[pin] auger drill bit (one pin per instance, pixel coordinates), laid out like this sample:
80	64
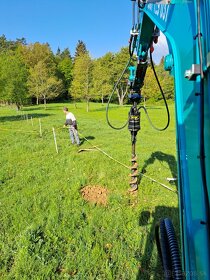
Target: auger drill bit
134	127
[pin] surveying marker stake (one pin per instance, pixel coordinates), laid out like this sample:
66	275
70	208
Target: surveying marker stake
40	128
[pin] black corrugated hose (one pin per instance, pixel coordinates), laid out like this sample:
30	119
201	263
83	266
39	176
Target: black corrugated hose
168	250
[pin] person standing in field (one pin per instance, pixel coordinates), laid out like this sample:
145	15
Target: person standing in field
72	124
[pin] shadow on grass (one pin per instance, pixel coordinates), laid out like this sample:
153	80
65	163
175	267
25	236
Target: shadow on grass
28	109
162	157
22	117
40	107
144	254
111	107
83	139
101	109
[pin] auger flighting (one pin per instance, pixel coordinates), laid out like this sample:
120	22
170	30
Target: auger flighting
134	127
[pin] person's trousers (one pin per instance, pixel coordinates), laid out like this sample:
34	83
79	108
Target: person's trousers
74	135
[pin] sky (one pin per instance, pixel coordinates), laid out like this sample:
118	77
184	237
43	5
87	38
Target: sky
103	25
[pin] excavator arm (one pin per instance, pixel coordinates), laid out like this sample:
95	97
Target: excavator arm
186	25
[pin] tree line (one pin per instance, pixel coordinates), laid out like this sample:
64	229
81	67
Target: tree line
32	73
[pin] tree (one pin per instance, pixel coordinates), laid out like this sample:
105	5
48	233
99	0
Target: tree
3	42
42	81
13	79
42	84
119	63
64	69
102	76
65	54
21	41
151	90
9	45
58	52
82	76
166	81
34	53
80	49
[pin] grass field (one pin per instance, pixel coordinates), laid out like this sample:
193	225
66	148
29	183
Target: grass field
47	229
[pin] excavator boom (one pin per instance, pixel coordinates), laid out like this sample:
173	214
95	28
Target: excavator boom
186	25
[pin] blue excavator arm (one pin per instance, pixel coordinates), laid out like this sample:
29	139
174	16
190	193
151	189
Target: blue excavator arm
186	25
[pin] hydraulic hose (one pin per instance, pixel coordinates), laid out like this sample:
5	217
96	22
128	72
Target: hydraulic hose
166	105
110	97
131	45
168	250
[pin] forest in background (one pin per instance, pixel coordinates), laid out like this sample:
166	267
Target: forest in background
33	74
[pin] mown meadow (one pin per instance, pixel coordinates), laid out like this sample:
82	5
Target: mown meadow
47	229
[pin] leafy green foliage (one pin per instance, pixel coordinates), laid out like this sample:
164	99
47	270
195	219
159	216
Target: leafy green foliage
80	49
13	78
82	72
9	45
65	67
79	78
119	63
42	84
34	53
102	76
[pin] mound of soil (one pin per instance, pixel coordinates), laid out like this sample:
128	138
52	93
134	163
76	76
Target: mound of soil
95	194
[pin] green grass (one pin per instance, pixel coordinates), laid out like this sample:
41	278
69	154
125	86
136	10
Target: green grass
47	230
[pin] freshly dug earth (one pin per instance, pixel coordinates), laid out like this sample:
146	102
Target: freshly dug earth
95	194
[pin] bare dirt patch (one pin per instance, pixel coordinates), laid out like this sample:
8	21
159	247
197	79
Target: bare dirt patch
95	194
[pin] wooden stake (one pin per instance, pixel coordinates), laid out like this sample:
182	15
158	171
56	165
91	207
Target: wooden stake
32	123
40	128
56	147
144	102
